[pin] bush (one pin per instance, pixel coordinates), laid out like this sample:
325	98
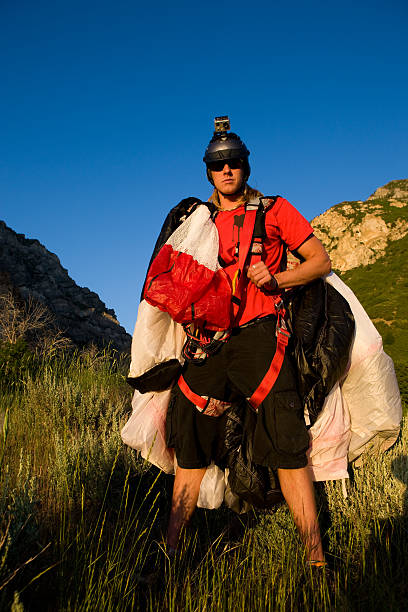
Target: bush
16	363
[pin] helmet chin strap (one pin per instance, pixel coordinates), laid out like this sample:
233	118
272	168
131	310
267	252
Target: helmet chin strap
238	191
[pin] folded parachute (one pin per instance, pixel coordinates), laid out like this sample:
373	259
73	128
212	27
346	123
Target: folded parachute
185	278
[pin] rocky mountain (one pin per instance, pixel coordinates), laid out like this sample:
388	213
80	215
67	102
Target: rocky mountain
358	233
368	245
29	269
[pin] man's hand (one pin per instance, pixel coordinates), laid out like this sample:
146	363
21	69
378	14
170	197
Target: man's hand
259	274
316	264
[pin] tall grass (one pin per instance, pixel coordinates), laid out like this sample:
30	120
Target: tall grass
82	517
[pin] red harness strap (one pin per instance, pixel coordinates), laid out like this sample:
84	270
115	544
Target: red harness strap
197	400
266	384
209	405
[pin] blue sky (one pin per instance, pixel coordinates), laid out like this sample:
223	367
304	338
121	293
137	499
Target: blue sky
106	109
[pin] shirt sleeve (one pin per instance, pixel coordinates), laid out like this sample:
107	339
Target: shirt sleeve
291	226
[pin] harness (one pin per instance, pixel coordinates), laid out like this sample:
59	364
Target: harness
198	345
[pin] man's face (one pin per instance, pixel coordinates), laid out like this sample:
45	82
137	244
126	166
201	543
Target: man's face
228	176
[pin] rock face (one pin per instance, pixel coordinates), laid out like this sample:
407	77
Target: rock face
27	267
357	233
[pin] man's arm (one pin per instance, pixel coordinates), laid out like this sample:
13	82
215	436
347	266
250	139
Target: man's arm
316	264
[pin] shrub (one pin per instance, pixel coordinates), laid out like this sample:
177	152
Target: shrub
16	363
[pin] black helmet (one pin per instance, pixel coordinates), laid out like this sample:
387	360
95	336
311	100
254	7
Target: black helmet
226	145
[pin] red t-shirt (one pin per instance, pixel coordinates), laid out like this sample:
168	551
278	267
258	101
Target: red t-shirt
285	227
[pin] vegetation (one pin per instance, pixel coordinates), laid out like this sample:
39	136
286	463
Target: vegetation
83	517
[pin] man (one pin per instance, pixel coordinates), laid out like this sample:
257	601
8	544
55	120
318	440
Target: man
236	370
252	365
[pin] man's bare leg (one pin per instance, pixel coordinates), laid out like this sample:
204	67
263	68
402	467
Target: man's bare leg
185	495
297	489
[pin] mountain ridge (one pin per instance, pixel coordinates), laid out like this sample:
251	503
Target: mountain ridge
30	270
358	232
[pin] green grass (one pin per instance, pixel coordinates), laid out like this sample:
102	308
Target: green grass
83	517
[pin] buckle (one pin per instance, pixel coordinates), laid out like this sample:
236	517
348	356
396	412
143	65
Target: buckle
282	335
282	332
280	306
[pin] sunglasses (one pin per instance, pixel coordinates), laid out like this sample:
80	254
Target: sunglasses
218	166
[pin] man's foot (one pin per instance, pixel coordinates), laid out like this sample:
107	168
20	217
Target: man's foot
321	572
321	564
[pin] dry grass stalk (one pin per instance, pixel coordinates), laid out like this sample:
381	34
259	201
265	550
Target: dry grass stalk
17	319
30	320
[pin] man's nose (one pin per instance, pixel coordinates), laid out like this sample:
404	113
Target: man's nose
226	169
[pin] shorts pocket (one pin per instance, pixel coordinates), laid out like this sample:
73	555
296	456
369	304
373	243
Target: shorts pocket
291	435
